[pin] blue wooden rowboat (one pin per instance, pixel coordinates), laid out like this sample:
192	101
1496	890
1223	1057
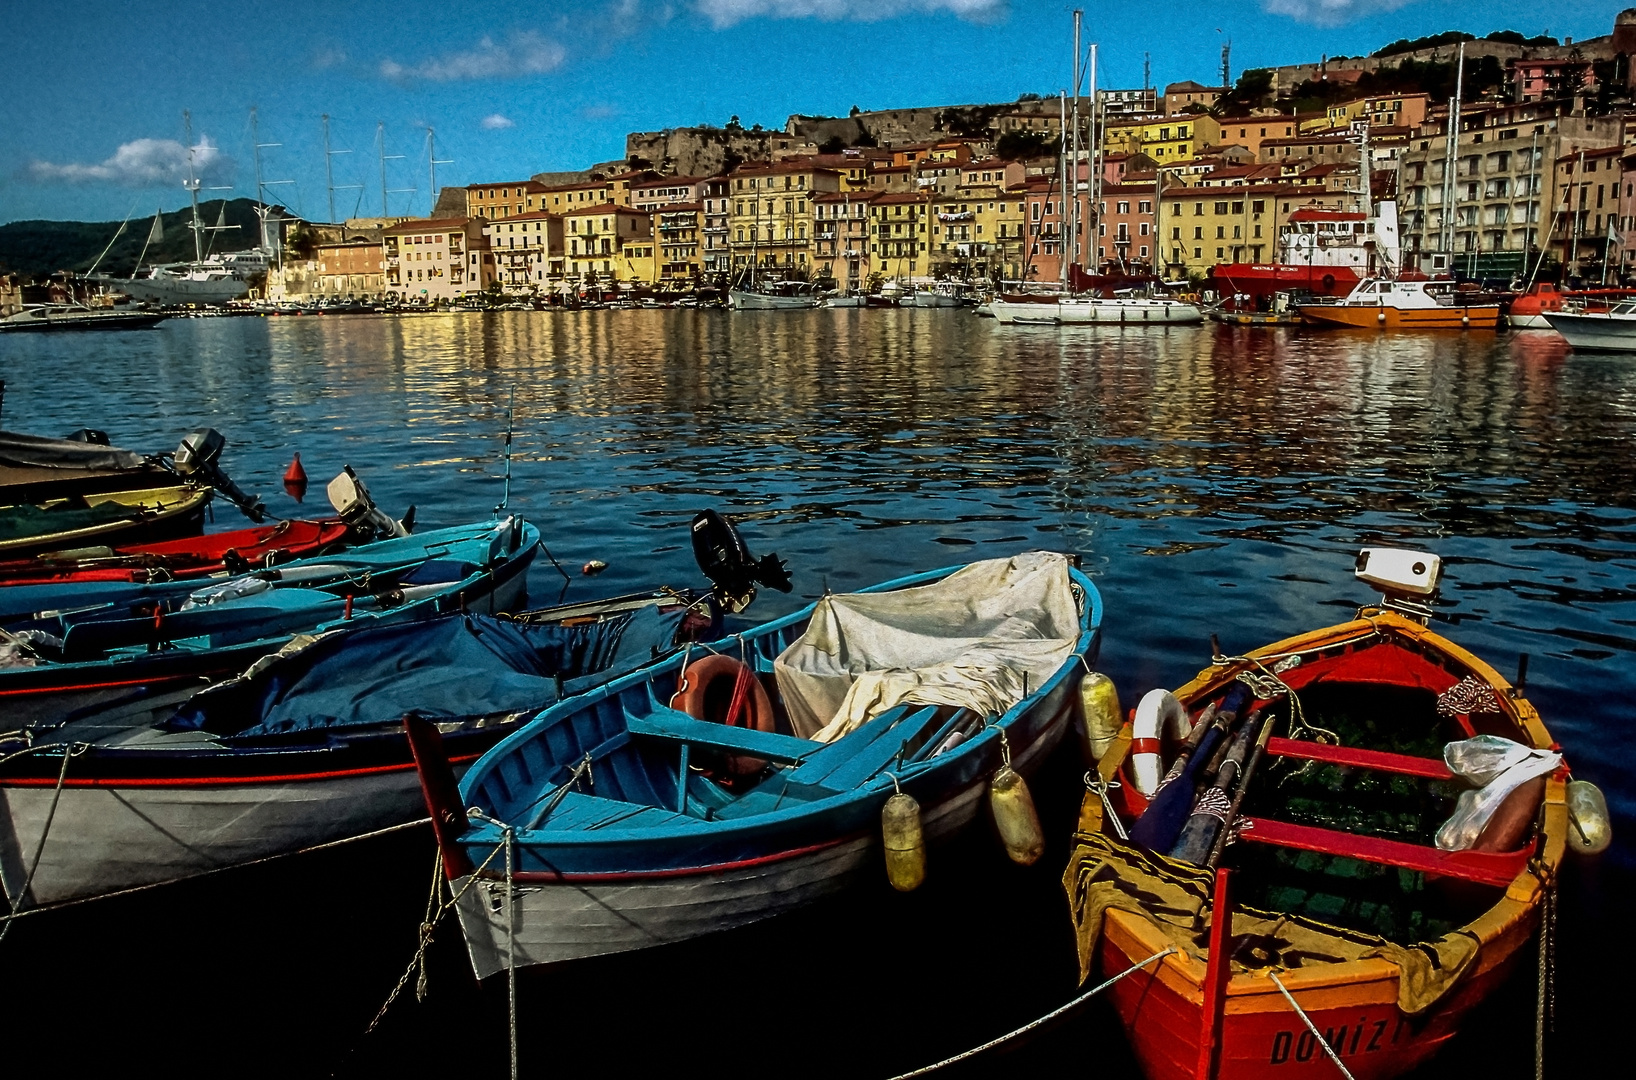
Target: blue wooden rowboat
109	640
620	842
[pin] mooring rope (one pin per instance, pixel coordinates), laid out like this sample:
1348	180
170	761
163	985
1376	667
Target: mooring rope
1033	1024
1545	986
1307	1020
70	751
511	944
426	928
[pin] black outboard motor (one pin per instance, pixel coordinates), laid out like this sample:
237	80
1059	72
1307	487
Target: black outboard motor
197	457
726	560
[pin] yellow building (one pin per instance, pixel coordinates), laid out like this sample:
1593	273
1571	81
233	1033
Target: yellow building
900	235
977	233
770	222
1167	140
638	263
562	198
1202	227
597	238
508	198
677	229
431	259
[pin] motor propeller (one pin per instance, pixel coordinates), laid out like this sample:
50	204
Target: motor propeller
726	560
198	456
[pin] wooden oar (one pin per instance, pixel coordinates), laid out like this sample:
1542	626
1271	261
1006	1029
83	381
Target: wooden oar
1226	830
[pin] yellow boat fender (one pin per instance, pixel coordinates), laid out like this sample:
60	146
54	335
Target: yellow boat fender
1592	829
903	839
1100	715
1158	709
1014	813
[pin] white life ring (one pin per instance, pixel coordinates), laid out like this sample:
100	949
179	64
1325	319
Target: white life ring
1159	710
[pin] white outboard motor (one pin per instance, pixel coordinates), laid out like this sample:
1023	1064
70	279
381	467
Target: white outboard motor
197	458
1407	579
367	521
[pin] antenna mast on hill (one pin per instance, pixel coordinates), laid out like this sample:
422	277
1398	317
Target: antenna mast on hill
1227	64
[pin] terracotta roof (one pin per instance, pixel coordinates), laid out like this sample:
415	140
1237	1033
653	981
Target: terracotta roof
530	185
770	168
901	197
581	186
1191	87
1601	152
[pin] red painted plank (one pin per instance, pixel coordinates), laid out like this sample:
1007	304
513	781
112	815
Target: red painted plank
1379	760
1489	868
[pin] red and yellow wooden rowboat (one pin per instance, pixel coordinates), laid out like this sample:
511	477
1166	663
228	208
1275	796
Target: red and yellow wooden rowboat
1383	1002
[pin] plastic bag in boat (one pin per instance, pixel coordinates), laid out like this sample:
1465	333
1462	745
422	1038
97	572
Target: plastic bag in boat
234	589
1498	767
981	638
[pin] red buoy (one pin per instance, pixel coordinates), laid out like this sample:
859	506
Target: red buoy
295	479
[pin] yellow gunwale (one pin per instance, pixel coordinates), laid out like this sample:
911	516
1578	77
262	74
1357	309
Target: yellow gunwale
147	505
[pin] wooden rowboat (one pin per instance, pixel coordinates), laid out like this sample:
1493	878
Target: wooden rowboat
1334	887
118	517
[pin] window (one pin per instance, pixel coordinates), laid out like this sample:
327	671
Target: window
1221	232
1198	232
1259	206
1220	252
1238	208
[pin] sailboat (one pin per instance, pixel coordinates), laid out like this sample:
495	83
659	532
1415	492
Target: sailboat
212	279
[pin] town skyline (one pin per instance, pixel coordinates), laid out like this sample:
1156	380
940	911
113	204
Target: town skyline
517	95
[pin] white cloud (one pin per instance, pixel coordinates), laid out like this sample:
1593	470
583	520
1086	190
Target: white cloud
329	57
1331	12
497	122
520	55
142	163
724	13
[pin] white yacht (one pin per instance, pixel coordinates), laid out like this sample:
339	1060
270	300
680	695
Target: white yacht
1613	330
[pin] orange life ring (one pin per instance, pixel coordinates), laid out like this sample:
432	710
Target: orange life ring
708	687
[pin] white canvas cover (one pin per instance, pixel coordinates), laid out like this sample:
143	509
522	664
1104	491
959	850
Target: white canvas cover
969	640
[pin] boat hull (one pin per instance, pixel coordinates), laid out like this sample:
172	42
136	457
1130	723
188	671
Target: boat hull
98	321
1360	317
109	837
1128	312
1009	312
1261	1035
580	916
1595	333
1266	279
116	518
741	300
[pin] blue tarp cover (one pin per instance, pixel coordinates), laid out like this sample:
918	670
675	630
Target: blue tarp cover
452	668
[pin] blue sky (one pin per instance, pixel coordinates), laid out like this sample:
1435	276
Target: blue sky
93	123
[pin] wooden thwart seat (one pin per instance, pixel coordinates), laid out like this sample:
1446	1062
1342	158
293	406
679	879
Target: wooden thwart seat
1488	867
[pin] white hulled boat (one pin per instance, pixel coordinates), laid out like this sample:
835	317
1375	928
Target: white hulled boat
1613	330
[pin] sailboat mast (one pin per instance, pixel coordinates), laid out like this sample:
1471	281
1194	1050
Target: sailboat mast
1062	210
329	170
1073	221
380	142
193	190
1093	176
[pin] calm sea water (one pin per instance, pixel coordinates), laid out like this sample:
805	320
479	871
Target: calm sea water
1213	480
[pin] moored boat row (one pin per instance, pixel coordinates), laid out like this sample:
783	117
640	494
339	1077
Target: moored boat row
610	776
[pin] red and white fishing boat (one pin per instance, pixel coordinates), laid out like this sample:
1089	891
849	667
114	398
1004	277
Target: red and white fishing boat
1324	253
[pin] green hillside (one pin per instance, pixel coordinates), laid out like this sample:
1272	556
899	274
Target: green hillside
41	247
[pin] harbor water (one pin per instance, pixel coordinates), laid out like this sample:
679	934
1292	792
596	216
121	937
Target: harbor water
1213	480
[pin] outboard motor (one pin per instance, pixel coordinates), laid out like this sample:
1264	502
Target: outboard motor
197	457
726	560
367	521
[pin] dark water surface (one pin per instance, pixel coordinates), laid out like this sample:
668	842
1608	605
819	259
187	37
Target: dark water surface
1213	480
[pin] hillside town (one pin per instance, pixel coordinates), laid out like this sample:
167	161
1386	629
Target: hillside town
1172	182
1503	158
